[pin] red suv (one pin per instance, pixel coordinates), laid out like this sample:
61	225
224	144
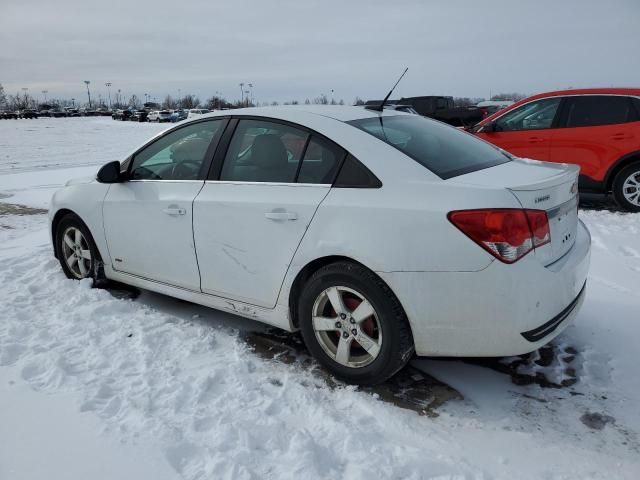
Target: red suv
598	129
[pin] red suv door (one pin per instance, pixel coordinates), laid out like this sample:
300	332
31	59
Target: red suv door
594	132
526	131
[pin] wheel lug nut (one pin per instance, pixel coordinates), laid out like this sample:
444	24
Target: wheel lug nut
352	320
345	334
354	332
338	325
343	316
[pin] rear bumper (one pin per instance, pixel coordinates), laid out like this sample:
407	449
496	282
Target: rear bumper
500	310
549	327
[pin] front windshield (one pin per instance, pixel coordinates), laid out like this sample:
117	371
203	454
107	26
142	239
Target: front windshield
445	150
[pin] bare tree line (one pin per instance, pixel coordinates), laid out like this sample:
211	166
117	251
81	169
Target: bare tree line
24	100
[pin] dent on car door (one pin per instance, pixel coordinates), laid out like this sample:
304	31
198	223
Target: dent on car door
148	218
526	131
595	131
249	221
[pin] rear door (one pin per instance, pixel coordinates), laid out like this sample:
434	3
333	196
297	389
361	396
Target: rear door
526	131
251	215
595	131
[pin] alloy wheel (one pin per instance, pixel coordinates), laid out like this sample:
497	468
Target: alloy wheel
347	327
631	188
76	252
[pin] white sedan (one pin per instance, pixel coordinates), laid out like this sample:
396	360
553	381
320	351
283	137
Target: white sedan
377	234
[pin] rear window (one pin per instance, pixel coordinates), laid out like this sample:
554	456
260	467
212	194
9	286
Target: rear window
592	110
444	150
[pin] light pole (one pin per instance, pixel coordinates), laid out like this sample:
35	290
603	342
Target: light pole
247	97
73	102
242	93
108	85
87	82
119	101
45	95
251	88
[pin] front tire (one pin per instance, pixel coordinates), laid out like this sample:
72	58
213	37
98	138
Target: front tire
626	187
353	324
76	251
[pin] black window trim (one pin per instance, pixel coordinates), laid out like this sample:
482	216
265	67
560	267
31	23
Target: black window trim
215	142
374	181
215	170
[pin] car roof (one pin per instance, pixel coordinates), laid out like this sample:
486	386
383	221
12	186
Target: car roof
337	112
572	91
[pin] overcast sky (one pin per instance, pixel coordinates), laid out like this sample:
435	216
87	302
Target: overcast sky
297	49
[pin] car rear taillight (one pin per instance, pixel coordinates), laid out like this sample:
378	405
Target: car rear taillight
539	224
506	233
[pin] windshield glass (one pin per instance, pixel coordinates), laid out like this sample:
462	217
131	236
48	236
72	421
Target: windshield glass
445	150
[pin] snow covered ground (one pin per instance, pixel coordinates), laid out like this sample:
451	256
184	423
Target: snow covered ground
96	384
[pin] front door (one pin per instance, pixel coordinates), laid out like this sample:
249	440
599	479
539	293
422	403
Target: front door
249	222
526	131
148	219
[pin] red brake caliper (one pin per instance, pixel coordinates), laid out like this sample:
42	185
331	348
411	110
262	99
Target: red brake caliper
368	325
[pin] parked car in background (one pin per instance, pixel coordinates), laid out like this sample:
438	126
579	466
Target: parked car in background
197	112
9	115
376	234
597	129
440	108
179	115
139	116
122	114
73	112
58	113
28	113
153	116
159	116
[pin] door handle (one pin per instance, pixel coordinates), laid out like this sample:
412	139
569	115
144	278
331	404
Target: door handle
535	139
281	215
620	136
175	211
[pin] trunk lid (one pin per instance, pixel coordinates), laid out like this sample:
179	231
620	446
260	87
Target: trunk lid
552	187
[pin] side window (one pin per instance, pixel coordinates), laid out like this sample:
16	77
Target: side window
178	155
591	110
321	161
354	174
263	151
532	116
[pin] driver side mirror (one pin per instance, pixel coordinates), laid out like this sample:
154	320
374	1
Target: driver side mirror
110	173
488	127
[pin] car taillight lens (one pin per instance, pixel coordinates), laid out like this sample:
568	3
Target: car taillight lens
539	224
508	234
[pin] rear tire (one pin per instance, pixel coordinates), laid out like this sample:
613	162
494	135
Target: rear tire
626	187
353	324
75	248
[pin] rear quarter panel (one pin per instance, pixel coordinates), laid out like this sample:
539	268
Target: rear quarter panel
401	227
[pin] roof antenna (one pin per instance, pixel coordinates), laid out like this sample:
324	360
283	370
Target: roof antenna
381	107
